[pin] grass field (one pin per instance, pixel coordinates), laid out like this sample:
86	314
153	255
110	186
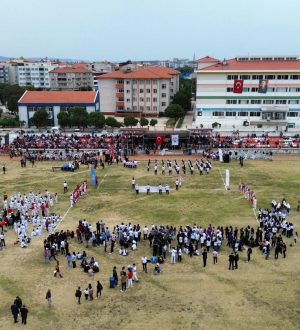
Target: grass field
261	294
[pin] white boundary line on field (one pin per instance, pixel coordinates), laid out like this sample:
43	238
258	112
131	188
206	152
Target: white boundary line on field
63	217
101	181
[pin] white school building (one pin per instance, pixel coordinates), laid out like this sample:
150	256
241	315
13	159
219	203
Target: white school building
278	108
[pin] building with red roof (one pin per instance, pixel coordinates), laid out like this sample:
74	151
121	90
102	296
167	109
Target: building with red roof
55	102
269	96
144	90
72	77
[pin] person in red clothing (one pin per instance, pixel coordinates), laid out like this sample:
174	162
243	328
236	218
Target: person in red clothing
130	277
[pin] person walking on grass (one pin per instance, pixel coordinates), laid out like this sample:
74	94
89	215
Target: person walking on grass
123	278
78	295
24	313
204	257
15	311
49	297
99	289
215	256
91	292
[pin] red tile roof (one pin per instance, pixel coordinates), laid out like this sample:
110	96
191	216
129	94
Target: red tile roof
148	72
63	97
207	59
234	65
71	69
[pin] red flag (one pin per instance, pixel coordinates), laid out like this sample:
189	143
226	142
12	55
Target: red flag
238	86
159	140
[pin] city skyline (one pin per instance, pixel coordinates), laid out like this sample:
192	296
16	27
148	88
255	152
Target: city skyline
143	31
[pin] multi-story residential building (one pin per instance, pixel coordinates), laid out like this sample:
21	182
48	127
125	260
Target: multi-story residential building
35	74
4	79
270	94
54	103
144	91
71	78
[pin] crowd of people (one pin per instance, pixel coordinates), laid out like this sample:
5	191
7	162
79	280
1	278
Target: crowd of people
248	194
28	212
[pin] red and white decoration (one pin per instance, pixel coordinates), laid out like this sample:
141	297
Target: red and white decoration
79	191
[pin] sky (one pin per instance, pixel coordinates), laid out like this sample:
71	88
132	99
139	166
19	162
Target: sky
119	30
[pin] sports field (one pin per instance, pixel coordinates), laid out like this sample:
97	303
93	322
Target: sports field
262	294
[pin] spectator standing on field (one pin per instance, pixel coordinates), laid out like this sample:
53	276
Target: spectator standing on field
24	313
49	297
65	187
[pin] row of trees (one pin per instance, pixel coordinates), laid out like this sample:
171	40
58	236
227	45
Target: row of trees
79	117
10	95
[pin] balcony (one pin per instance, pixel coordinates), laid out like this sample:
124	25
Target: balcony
120	104
120	86
119	95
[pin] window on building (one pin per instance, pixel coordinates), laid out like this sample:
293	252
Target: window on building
293	102
255	102
280	102
141	99
292	114
268	101
254	114
229	89
200	113
127	100
127	82
163	95
295	77
148	99
134	99
254	89
148	108
154	82
120	81
148	91
163	86
141	108
243	114
291	125
270	76
155	108
141	82
245	77
163	104
134	108
243	101
218	113
246	89
230	113
257	77
148	82
154	91
282	77
127	91
141	90
154	99
232	77
231	101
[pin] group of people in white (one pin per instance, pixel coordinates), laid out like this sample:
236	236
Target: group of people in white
203	166
30	214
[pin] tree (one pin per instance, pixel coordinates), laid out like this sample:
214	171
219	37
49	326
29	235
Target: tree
96	119
183	98
112	122
88	88
130	121
63	119
144	122
174	111
153	122
12	103
79	117
40	118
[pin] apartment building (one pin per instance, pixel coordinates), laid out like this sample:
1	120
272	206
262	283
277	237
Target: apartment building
71	77
4	78
143	91
32	73
269	94
54	102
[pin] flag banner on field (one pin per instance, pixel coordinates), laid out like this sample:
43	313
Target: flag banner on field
263	86
227	179
238	86
158	140
175	140
93	176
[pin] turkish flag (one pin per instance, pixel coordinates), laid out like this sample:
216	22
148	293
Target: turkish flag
238	86
159	140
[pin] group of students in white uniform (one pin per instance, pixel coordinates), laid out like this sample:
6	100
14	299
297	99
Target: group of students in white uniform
31	209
